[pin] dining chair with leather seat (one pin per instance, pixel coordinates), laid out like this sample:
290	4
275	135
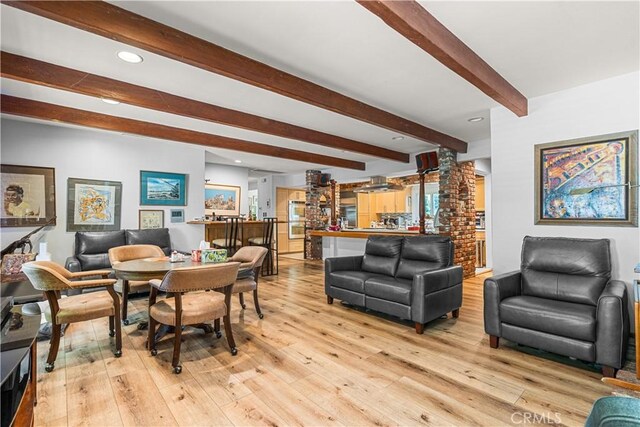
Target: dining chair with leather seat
127	253
250	259
52	278
187	302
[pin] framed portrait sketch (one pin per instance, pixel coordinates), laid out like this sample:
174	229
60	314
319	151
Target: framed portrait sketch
28	195
150	219
221	200
588	181
93	205
163	188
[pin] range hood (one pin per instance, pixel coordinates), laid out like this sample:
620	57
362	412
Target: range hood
378	184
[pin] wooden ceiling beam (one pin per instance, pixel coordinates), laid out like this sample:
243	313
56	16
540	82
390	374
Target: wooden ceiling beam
415	23
44	111
118	24
30	70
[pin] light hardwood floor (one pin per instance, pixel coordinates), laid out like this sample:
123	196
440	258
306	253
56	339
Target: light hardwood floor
309	363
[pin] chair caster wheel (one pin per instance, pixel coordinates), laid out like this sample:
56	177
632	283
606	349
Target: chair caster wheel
207	329
177	369
234	351
112	333
218	334
118	353
142	326
49	367
125	322
154	352
261	316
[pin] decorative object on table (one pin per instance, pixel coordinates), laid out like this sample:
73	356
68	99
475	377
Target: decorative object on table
43	253
93	205
224	200
587	181
213	255
204	245
24	241
196	255
177	215
148	219
12	263
163	188
29	195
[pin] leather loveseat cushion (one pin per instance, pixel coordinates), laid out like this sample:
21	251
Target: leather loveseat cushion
389	289
92	248
157	236
381	255
424	253
351	280
577	321
572	270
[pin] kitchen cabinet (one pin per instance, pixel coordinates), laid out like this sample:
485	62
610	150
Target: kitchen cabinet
479	193
283	197
401	200
385	202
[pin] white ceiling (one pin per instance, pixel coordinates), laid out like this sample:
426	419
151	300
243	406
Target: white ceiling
540	47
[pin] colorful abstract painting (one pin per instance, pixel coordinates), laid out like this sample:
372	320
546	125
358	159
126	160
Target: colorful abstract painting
585	181
93	205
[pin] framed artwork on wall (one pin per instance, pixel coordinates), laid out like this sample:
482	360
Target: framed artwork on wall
93	205
221	200
587	181
28	195
150	219
163	188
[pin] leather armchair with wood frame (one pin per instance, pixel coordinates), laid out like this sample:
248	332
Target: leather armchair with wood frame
561	300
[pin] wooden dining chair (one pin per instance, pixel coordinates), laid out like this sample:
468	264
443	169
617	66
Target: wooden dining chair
232	236
127	253
250	258
185	306
52	278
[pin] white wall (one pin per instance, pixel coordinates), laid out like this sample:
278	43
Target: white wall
598	108
80	153
230	175
266	197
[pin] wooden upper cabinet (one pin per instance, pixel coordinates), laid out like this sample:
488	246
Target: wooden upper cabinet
480	193
363	203
401	200
385	202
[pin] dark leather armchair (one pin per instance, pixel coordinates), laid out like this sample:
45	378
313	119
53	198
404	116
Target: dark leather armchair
409	277
562	300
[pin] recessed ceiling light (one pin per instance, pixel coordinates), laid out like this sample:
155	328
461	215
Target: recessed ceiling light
130	57
110	101
398	138
475	119
238	161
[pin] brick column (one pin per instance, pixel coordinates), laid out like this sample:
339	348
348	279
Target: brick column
457	208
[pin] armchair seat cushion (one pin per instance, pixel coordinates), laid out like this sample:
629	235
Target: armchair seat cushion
197	307
351	280
566	319
78	308
244	285
389	289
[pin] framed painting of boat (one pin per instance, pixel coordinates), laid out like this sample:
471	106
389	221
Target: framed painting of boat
588	181
163	188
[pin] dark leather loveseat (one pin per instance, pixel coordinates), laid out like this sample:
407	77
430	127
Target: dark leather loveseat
562	300
409	277
92	248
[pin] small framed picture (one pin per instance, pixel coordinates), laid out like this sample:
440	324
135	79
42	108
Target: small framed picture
177	215
163	188
150	219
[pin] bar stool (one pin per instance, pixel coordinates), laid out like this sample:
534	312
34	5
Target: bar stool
269	229
230	242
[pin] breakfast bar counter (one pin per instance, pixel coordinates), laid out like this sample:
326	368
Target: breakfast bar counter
352	241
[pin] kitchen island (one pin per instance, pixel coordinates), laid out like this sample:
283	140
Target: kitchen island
351	242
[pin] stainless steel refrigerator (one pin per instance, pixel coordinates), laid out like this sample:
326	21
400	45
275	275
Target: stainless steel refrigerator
296	219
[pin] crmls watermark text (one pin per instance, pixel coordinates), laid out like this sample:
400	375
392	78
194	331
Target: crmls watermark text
550	418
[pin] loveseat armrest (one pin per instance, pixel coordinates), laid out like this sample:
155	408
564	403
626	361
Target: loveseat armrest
432	282
612	323
496	289
346	263
73	264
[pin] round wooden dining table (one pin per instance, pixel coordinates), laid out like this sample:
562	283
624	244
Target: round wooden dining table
155	268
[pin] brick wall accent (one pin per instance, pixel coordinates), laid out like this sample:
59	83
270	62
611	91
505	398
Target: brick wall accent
317	218
457	208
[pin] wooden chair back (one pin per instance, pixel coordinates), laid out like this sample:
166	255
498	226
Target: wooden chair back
131	252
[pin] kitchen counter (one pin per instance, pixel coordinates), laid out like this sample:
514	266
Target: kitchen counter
353	241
